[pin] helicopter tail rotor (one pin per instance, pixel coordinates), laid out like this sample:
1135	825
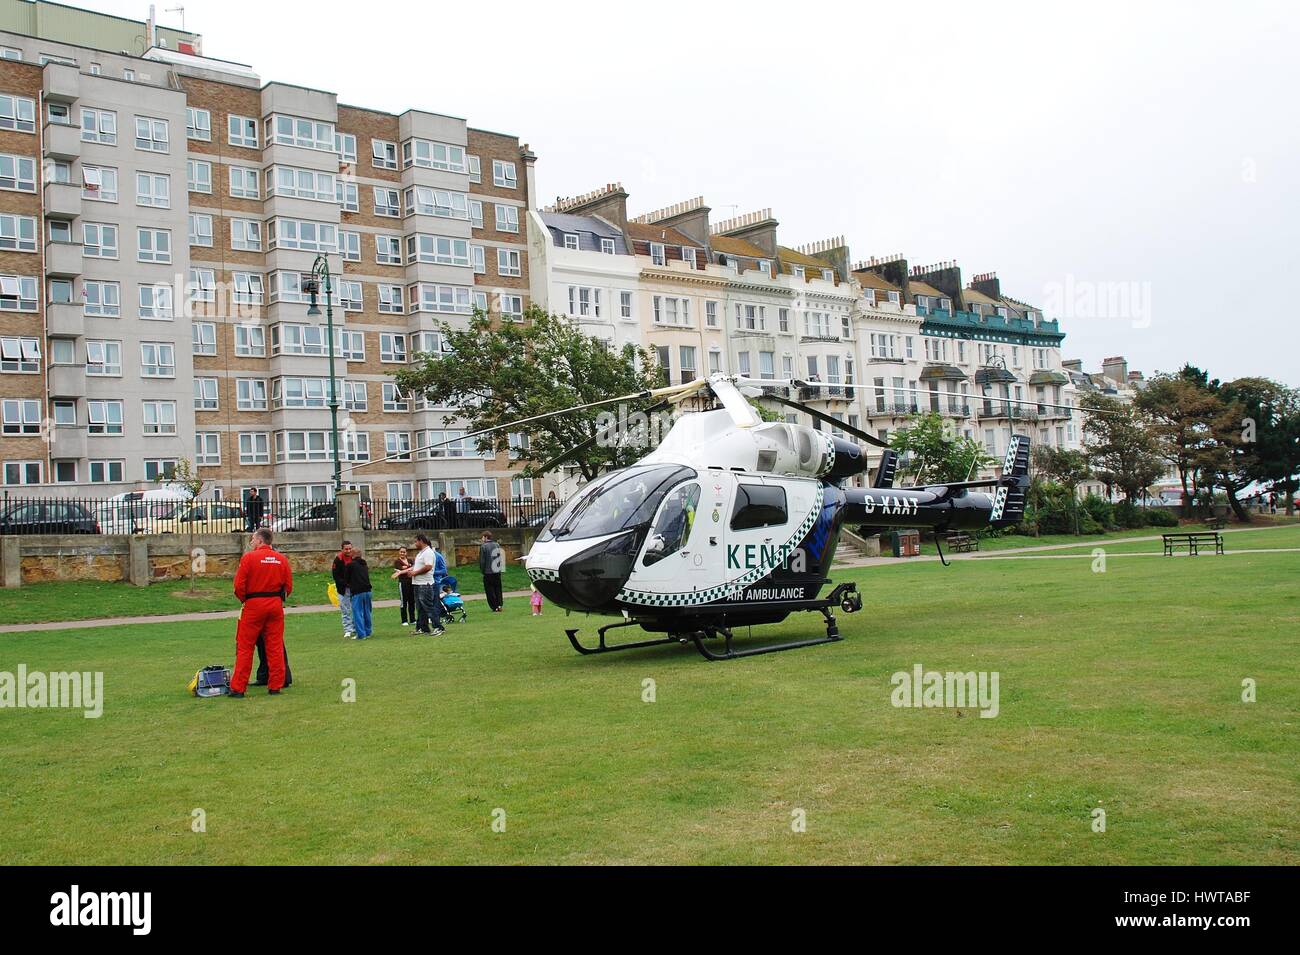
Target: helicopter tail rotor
888	468
1009	499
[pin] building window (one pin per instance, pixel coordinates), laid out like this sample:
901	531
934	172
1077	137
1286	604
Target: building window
475	169
99	183
22	472
244	183
508	262
246	235
503	175
106	471
159	417
156	301
248	288
507	218
198	175
104	359
392	348
204	338
688	256
390	299
202	285
198	124
105	417
242	130
571	240
99	126
200	229
205	394
657	253
153	190
432	155
711	314
478	258
18	233
347	196
18	293
17	113
250	394
254	447
383	154
154	245
151	134
157	360
394	401
345	144
22	416
350	246
102	299
250	340
386	202
607	246
303	235
625	305
388	250
98	240
18	173
476	213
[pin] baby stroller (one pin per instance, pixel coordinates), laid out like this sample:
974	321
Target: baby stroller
453	605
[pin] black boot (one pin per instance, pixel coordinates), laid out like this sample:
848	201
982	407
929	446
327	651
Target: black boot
235	694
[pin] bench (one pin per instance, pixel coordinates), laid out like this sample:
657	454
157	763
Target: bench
1216	523
1192	541
963	542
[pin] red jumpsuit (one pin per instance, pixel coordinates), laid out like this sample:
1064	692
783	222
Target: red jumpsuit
261	571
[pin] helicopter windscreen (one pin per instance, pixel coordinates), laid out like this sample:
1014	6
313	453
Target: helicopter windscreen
616	502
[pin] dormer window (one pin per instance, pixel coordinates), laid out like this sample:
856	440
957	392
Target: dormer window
657	255
923	302
828	275
869	296
797	271
607	246
945	304
688	256
765	267
1001	310
894	298
570	240
975	309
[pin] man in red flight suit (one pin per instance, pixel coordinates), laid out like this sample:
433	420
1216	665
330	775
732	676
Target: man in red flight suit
262	582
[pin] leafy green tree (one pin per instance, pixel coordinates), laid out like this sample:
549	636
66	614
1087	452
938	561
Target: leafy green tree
1068	468
1261	433
938	452
1120	445
1182	409
494	372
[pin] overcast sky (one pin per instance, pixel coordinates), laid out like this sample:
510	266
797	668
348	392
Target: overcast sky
1131	167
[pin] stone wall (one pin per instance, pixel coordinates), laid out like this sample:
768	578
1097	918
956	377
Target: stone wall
143	558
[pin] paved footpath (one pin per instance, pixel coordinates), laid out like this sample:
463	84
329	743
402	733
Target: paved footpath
202	615
1011	553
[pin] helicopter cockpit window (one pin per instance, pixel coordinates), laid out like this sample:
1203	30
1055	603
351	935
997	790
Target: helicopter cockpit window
673	528
758	505
616	502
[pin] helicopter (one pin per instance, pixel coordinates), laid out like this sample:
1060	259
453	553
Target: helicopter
732	522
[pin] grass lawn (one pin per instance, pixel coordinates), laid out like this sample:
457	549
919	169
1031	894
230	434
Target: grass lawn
35	603
1118	690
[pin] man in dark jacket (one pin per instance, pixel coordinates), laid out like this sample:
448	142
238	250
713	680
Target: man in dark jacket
358	580
448	509
339	571
491	561
253	509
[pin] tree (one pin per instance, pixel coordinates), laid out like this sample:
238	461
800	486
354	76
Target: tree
185	478
938	453
1120	445
1182	409
494	372
1066	467
1265	436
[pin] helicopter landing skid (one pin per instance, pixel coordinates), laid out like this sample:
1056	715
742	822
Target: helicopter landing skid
845	596
605	648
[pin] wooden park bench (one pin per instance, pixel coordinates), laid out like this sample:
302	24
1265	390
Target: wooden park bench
1216	523
1192	541
963	542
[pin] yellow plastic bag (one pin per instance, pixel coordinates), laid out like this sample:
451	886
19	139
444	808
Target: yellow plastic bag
194	685
333	593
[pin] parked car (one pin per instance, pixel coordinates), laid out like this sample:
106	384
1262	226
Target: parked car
431	515
307	516
203	517
139	512
48	517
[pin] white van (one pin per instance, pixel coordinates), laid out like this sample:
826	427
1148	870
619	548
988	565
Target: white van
135	512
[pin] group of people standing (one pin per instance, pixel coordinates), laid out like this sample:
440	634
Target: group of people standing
425	586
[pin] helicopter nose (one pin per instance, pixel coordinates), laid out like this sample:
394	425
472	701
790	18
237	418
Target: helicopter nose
593	578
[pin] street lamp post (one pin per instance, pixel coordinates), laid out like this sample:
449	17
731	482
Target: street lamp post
320	281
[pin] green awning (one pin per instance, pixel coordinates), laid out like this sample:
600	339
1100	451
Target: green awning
993	375
944	372
1049	378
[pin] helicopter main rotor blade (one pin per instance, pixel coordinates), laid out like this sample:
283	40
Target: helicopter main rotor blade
638	396
585	445
833	422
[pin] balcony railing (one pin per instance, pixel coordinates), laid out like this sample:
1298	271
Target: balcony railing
1001	409
894	410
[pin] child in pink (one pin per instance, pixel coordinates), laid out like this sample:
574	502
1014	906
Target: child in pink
537	602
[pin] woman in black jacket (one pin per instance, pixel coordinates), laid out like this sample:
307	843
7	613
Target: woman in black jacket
403	562
358	577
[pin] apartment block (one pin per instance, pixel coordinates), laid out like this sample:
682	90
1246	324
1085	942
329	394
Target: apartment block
161	218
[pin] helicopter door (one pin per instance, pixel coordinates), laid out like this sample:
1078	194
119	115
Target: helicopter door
764	518
673	556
